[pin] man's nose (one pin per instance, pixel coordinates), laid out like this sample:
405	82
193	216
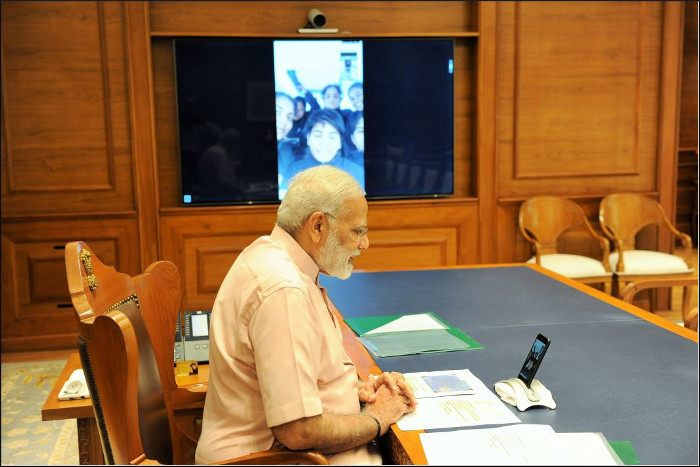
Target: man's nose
364	242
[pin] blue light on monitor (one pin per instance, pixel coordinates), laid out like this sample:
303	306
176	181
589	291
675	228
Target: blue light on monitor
186	199
450	66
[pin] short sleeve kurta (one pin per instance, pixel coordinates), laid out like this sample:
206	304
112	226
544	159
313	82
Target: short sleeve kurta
276	354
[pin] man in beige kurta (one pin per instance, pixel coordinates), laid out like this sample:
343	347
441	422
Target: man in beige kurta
279	372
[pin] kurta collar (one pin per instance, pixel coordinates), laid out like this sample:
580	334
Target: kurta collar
300	257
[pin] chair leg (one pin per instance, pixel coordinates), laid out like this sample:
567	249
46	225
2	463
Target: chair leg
685	308
653	298
617	286
607	287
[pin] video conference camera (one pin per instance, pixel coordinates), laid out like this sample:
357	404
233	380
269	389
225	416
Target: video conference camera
316	18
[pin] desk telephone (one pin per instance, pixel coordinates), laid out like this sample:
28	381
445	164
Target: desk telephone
193	344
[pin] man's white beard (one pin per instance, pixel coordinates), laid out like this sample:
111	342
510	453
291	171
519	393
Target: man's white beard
334	258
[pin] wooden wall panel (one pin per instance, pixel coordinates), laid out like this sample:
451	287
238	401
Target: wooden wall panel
397	248
203	243
403	232
422	233
167	133
376	17
88	108
688	125
583	93
65	117
165	98
687	194
465	111
36	306
578	86
207	260
514	248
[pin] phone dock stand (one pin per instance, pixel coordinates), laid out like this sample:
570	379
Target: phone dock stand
513	391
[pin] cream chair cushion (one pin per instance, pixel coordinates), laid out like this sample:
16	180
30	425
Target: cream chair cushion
573	266
649	262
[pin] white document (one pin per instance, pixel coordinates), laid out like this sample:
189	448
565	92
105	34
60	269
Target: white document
418	322
439	383
516	445
481	407
588	449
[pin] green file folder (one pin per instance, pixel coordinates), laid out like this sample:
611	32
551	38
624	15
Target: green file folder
625	451
390	344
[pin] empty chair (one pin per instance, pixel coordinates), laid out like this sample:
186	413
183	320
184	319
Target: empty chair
622	216
690	317
126	334
543	220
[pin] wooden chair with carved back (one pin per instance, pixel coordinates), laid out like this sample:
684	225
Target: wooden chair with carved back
622	217
543	221
126	336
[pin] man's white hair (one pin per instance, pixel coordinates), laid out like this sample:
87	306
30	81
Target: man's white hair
322	188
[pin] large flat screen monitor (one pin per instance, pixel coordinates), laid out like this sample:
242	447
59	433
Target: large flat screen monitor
253	112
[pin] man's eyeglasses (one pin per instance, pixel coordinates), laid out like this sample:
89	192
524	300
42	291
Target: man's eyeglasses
358	231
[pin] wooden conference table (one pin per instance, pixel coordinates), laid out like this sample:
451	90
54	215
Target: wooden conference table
612	367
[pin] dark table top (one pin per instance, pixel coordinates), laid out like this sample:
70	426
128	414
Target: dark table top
609	371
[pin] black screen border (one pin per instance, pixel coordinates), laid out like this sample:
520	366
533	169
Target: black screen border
270	40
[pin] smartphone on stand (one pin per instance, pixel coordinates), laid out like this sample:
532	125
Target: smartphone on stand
534	359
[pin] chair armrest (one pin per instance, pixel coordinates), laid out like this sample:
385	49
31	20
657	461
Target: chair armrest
189	423
687	243
536	250
605	246
691	321
187	409
534	243
634	287
279	456
143	460
186	397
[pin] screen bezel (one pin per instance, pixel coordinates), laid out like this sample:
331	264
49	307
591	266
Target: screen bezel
189	328
438	191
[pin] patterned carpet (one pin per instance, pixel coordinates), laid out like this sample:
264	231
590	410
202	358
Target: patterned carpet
26	439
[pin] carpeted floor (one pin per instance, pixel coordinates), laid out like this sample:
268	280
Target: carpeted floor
26	439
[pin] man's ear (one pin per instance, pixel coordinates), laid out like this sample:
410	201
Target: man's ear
317	226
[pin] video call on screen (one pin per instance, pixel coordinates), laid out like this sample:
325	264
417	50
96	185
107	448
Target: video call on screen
226	92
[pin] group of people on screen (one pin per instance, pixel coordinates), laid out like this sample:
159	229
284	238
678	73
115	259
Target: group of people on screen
309	134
